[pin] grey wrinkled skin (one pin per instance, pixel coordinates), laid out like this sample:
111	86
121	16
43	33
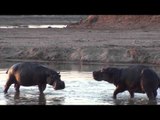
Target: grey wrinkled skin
31	74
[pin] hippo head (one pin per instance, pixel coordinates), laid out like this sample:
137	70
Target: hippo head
98	75
54	79
106	74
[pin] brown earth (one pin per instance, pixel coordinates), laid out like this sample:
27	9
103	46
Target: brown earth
119	22
97	38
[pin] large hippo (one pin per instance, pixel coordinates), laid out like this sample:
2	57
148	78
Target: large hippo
30	74
135	79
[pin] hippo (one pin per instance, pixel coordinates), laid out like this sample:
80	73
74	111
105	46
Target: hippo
134	79
31	74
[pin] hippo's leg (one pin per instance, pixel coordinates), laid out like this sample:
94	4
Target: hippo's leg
16	86
150	95
155	93
42	87
118	90
7	85
131	94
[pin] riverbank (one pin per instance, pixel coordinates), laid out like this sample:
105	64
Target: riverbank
81	45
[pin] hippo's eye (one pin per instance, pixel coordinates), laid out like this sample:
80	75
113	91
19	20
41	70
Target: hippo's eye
56	77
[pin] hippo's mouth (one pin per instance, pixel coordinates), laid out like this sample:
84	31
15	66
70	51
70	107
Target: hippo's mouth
54	85
96	78
58	85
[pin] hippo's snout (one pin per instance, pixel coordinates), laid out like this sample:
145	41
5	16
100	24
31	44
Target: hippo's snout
62	85
59	85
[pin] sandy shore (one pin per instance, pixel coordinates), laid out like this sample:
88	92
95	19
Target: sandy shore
81	45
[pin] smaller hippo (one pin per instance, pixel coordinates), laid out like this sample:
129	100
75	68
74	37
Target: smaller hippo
135	79
30	74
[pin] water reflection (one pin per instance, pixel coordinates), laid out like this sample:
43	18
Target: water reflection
152	102
16	95
42	99
19	99
135	101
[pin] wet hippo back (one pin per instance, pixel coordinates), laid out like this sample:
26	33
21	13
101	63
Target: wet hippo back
28	74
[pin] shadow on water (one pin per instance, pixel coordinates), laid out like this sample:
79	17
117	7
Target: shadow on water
19	99
134	101
40	99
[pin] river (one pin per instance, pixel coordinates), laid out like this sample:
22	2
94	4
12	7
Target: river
81	88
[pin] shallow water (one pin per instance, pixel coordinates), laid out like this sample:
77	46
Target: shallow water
80	89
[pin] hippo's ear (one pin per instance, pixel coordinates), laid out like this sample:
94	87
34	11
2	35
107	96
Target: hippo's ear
102	70
59	74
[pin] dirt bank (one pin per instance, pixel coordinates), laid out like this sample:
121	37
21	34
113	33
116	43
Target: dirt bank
81	45
119	22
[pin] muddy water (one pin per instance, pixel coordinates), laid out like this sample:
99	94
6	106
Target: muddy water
80	89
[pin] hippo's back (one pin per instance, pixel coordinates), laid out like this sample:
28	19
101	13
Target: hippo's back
131	75
27	73
25	67
137	68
